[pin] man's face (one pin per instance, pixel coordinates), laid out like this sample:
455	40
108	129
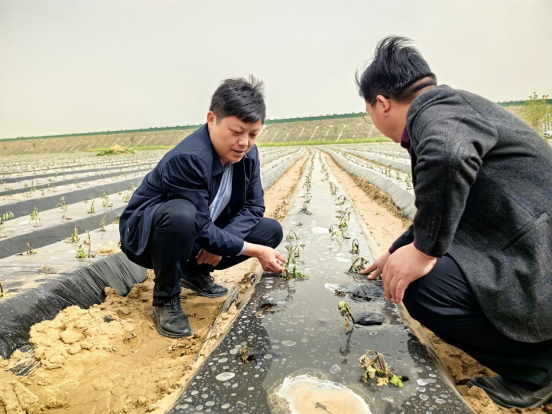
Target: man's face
388	116
231	137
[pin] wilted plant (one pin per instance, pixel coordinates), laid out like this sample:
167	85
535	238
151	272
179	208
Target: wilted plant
355	247
63	206
102	224
45	269
92	210
29	249
374	365
358	265
74	237
1	290
244	354
345	311
290	266
341	200
89	244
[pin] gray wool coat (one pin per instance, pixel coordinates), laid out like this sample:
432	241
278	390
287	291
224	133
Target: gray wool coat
483	185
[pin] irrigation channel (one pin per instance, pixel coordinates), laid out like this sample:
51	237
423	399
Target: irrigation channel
301	359
40	281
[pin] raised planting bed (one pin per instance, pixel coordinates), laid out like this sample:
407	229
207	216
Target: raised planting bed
290	350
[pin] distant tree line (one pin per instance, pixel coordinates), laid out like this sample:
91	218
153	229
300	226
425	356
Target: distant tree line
533	112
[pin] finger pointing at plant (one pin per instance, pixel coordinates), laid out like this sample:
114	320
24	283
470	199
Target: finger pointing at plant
376	268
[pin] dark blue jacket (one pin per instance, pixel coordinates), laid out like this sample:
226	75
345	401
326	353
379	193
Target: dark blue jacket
193	171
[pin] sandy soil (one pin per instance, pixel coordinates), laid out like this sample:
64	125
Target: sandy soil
110	358
386	224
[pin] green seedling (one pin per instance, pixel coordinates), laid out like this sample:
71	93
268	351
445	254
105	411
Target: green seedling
374	365
335	231
355	247
102	224
8	215
92	210
345	311
358	265
81	254
35	217
1	290
290	266
126	197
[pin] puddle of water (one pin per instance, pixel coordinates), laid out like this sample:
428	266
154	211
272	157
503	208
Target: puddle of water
306	394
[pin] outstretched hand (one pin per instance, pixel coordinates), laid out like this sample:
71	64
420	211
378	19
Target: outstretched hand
399	269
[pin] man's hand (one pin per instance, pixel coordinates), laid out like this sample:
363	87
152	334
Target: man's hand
205	257
404	266
377	266
271	260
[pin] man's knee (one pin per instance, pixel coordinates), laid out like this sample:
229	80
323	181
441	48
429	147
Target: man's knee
177	215
274	232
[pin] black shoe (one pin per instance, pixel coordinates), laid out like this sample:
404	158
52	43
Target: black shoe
171	320
201	282
507	394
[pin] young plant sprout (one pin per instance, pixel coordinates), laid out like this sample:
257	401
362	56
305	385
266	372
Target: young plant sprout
63	207
374	365
345	311
359	264
102	224
81	254
8	215
1	290
355	247
126	197
35	217
341	200
91	210
290	266
105	202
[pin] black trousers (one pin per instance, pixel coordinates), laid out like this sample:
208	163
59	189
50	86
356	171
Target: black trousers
444	302
171	248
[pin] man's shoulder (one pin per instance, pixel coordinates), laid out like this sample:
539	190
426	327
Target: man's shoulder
195	146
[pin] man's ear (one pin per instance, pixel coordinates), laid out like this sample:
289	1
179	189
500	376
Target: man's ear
385	105
211	117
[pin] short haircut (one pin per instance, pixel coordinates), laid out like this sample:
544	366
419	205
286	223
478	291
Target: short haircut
239	97
394	72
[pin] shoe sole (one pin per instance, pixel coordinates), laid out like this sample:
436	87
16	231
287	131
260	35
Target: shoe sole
166	333
546	400
201	292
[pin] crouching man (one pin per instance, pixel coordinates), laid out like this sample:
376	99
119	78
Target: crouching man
201	208
476	265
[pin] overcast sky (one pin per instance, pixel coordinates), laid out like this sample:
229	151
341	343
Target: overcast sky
80	66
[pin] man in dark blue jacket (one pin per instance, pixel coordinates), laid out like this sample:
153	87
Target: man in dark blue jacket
201	208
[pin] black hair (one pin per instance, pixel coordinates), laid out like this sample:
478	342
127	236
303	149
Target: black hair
395	72
239	97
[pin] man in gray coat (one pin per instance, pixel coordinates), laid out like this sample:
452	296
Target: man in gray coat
475	267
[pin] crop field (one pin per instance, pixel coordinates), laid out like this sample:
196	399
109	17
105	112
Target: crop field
75	330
